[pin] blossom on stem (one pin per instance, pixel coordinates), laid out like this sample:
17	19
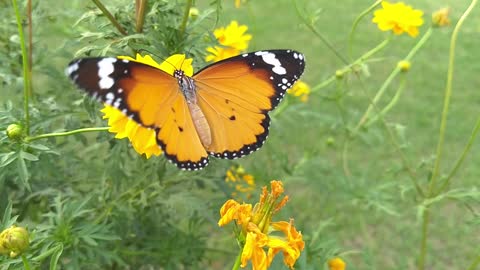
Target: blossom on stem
399	18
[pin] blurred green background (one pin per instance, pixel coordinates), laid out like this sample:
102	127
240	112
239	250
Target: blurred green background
154	215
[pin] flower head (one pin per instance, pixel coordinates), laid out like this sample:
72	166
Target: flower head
336	264
404	65
143	139
233	40
14	241
262	239
440	17
399	18
15	132
300	90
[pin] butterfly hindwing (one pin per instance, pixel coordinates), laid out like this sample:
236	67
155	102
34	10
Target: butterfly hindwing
149	96
237	93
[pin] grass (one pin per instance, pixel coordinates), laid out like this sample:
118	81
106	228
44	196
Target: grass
369	213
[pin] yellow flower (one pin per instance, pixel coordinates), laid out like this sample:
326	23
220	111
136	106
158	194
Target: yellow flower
219	53
300	90
336	264
238	179
440	17
262	239
399	18
14	241
143	139
232	39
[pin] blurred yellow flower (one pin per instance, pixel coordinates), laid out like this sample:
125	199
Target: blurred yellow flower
300	90
404	65
143	139
336	264
14	241
242	182
261	238
233	40
218	53
399	18
440	17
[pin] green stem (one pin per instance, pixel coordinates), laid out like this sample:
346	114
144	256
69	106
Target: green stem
390	78
459	162
423	243
318	34
186	12
26	79
26	265
448	94
474	264
66	133
140	18
30	43
390	105
110	17
238	260
355	24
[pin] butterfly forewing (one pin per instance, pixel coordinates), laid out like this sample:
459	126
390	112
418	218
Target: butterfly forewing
149	96
236	95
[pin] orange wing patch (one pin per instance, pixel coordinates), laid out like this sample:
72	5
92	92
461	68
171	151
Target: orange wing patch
159	103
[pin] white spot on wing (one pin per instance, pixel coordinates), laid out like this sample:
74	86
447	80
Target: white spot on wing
105	83
72	68
105	68
271	59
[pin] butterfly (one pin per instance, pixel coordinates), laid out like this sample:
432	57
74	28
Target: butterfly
222	110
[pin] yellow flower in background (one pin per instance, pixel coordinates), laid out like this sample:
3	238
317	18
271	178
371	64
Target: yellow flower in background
218	53
440	17
404	65
300	90
233	40
14	241
336	264
261	238
240	181
399	18
143	139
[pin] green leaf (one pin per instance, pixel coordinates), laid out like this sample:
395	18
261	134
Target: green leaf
7	158
28	156
56	256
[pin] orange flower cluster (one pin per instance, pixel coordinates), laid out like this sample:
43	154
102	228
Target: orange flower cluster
261	238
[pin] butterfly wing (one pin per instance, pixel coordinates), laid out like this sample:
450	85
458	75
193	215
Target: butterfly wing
149	96
237	93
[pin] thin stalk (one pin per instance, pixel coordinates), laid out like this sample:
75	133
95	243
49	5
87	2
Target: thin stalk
186	12
66	133
26	265
26	78
318	34
390	105
459	162
355	24
238	260
474	264
140	14
390	78
441	135
110	17
448	94
30	43
423	243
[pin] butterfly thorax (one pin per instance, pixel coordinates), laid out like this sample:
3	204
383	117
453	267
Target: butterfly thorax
187	85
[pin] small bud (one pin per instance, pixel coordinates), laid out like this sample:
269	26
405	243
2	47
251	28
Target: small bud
15	132
14	241
330	141
440	17
339	74
193	12
404	65
336	264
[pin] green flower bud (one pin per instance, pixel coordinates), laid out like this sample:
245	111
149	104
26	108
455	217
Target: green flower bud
14	241
330	141
404	65
339	74
15	132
